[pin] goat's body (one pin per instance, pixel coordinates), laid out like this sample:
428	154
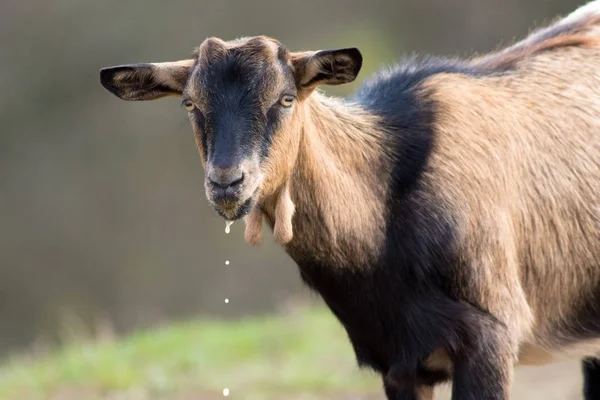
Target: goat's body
477	206
449	215
531	230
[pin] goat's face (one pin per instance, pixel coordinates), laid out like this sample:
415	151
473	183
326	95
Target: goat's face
244	100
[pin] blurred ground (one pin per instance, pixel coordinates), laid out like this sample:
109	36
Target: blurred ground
300	354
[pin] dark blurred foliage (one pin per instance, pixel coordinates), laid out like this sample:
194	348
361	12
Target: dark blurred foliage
102	206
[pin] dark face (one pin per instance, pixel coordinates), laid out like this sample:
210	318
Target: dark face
238	97
244	99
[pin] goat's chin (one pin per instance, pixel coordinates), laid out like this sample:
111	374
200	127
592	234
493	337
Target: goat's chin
234	212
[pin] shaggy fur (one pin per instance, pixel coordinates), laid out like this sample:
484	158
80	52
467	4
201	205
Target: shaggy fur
448	213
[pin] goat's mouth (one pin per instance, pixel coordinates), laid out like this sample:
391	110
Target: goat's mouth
233	205
234	211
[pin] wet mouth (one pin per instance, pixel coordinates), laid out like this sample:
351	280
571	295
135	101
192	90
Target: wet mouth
234	212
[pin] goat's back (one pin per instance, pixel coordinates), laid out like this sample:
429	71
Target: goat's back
517	159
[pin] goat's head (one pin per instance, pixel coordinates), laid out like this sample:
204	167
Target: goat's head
245	100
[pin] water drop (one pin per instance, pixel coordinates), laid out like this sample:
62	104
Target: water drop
227	262
225	392
227	226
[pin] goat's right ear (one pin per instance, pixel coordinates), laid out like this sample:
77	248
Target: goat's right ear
136	82
326	67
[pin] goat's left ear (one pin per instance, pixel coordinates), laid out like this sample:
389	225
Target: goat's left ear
326	67
137	82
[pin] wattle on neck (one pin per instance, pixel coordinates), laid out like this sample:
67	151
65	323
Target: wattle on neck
339	183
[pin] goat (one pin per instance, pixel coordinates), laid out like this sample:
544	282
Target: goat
448	213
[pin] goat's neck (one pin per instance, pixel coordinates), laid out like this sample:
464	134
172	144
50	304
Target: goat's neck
339	183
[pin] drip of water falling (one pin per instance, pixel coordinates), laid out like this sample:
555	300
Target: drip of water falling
227	230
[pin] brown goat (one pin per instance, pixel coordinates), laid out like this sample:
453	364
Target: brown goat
448	214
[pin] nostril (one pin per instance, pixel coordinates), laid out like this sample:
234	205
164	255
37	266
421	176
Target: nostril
238	181
226	180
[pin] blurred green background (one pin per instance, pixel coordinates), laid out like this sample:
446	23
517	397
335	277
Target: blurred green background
104	227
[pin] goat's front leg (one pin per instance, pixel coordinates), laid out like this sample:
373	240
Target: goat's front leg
484	370
591	378
417	393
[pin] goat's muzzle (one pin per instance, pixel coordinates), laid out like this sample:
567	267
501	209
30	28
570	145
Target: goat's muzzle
231	189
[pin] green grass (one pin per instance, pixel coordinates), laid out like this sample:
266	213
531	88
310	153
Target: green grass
301	355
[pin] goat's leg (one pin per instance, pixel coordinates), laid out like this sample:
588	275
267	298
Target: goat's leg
591	378
484	370
418	393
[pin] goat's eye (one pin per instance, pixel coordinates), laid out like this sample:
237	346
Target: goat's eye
287	101
188	105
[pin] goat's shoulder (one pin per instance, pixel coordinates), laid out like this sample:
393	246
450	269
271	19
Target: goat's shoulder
399	84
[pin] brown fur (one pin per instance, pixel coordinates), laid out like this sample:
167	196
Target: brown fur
170	76
327	167
284	212
518	245
312	71
210	50
472	130
332	166
539	256
253	231
515	164
198	142
425	393
577	34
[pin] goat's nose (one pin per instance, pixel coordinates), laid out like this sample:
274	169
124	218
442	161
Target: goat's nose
226	177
